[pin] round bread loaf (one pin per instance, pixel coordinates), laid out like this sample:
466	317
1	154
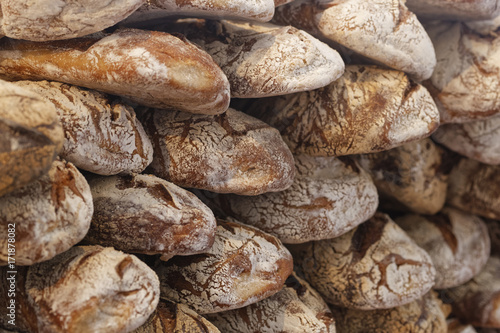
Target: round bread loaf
83	290
455	10
374	266
457	243
328	197
101	135
146	214
228	153
297	308
31	136
244	266
48	216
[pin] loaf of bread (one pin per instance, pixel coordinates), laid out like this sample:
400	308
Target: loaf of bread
374	266
457	242
31	136
263	59
297	308
148	67
176	318
382	31
244	266
467	75
83	290
328	197
102	135
455	10
368	109
48	216
228	153
425	315
146	214
45	20
410	177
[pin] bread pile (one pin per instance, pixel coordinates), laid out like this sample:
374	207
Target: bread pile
250	166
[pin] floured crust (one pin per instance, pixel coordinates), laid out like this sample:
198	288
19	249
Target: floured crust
101	136
50	215
176	318
261	59
374	266
297	308
244	266
479	140
329	197
228	153
46	20
473	187
412	175
86	289
457	242
146	214
456	10
31	136
467	75
424	315
367	110
148	67
382	30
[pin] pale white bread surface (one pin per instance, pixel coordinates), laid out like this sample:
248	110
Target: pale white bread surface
457	242
328	197
156	10
87	290
455	10
485	27
45	20
473	187
467	75
263	59
50	215
228	153
368	109
384	31
101	135
412	176
146	214
374	266
31	136
297	308
244	266
424	315
176	318
477	302
148	67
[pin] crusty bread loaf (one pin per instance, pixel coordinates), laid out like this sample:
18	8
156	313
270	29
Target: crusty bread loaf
146	214
176	318
148	67
374	266
244	266
368	109
297	308
50	215
328	197
46	20
83	290
228	153
425	315
263	59
102	135
31	136
410	177
467	75
384	31
457	242
455	10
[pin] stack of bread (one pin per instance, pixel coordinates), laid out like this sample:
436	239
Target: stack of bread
250	166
